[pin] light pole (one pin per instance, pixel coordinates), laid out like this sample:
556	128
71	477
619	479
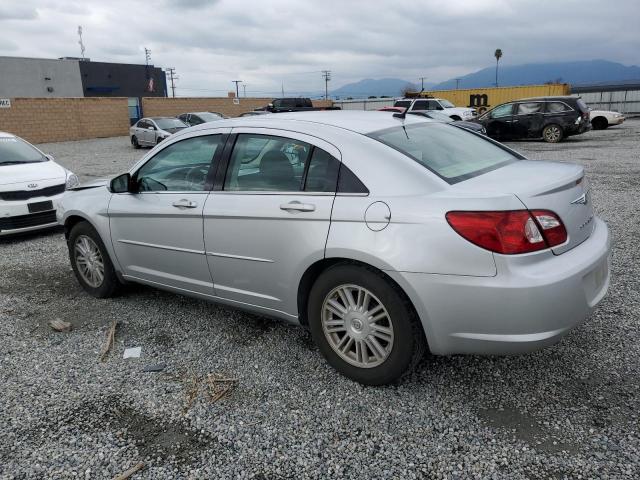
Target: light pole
498	55
237	82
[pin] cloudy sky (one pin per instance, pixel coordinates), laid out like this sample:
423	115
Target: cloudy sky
270	42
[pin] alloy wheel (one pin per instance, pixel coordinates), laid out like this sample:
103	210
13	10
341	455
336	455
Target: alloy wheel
357	326
553	133
89	261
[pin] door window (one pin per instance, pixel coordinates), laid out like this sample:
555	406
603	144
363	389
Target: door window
502	111
322	174
556	107
142	124
181	167
434	105
529	108
420	105
267	163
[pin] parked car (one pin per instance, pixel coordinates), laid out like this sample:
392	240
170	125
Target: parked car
383	235
197	118
430	104
601	119
31	184
552	118
148	132
440	117
299	104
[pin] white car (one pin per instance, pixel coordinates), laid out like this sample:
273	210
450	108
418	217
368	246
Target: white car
31	185
429	104
148	132
601	119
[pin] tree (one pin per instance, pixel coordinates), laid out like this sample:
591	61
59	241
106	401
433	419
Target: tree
498	55
407	90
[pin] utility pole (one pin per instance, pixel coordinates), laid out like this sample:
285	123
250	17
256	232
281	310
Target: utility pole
457	83
283	89
172	76
244	90
326	74
237	82
422	83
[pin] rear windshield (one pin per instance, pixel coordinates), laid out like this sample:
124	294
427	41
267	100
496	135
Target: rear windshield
170	123
14	151
453	154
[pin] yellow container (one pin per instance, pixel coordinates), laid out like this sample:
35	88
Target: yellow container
484	99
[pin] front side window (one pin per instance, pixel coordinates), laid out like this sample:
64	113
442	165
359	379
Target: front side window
451	153
502	111
529	108
181	167
434	105
267	163
447	103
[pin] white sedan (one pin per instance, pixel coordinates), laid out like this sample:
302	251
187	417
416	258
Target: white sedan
31	184
601	119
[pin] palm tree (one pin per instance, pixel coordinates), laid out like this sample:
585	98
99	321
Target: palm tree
498	55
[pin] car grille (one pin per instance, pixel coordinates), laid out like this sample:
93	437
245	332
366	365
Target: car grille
24	221
27	194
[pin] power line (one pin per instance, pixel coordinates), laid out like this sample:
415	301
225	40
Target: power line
326	74
172	76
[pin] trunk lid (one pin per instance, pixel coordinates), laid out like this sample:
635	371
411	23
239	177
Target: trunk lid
558	187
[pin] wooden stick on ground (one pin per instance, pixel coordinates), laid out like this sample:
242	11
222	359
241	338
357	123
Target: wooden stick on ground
124	475
111	335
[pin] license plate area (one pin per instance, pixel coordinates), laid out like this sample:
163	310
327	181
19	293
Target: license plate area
40	206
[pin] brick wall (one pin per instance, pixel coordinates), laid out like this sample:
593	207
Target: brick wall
41	120
170	107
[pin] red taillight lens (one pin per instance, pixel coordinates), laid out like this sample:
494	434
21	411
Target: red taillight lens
509	232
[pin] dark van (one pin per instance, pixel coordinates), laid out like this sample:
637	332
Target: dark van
552	118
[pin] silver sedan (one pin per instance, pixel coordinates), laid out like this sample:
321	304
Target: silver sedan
385	236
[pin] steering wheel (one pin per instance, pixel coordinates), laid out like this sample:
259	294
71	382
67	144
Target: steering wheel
195	177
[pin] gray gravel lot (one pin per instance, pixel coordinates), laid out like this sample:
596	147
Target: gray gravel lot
570	411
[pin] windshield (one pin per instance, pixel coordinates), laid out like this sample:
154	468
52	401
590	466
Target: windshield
165	123
446	103
14	150
210	117
451	153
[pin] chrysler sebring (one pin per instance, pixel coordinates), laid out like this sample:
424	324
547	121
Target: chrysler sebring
385	236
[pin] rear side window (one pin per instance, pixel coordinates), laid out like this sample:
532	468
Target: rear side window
322	174
529	108
557	107
451	153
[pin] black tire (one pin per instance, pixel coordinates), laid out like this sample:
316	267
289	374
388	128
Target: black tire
134	142
599	123
110	283
409	343
552	133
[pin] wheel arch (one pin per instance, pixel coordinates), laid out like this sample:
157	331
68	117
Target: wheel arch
315	270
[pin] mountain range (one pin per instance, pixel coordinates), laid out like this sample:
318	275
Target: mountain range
575	73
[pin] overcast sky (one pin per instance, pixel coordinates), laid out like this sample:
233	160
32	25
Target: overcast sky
265	43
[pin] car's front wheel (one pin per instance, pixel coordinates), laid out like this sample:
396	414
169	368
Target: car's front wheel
90	261
134	142
552	133
363	325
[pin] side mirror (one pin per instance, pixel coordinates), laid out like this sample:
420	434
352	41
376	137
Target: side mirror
151	127
49	156
121	184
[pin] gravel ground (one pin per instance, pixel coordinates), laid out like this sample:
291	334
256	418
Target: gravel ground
570	411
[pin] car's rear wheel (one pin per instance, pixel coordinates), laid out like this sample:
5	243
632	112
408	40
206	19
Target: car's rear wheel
552	133
363	325
599	123
134	142
90	261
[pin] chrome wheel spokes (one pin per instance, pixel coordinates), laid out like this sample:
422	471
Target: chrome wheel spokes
357	326
89	261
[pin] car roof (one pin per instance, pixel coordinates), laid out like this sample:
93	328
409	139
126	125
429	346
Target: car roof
355	120
558	97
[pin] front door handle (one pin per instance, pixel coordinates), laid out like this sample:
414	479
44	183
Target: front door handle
298	207
184	203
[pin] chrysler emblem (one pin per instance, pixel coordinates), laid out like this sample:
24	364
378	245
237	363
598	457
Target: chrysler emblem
32	185
582	199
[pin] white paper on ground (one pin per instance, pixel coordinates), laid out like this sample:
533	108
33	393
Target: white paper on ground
133	352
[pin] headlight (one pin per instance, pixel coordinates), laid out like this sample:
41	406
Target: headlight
72	181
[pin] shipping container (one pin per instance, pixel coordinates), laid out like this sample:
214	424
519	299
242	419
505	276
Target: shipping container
484	99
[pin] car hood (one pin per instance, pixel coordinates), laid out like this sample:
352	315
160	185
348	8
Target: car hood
31	172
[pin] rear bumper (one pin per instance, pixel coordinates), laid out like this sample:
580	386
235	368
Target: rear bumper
532	302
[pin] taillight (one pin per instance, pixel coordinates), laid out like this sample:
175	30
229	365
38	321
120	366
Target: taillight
509	232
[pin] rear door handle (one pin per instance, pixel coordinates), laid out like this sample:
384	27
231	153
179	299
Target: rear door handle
184	203
298	207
